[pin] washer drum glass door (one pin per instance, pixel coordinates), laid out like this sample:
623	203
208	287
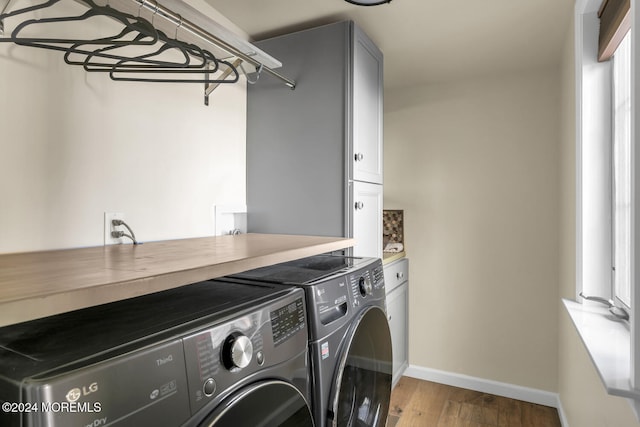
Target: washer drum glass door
363	381
270	403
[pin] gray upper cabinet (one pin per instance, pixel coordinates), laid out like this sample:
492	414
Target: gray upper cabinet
306	148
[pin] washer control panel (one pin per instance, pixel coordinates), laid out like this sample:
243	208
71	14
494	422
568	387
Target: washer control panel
367	283
332	299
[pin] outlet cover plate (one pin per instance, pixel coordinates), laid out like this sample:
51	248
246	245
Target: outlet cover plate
108	239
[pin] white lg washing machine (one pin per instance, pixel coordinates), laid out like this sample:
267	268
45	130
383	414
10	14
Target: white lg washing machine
207	354
349	336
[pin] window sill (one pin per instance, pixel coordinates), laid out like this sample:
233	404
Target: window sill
608	343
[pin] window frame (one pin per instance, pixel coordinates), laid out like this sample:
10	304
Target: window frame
615	22
623	48
614	346
593	168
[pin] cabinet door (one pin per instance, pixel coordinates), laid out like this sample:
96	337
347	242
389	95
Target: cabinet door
397	309
367	83
367	219
296	179
395	274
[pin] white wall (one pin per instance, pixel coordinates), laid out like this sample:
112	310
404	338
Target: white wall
76	144
474	164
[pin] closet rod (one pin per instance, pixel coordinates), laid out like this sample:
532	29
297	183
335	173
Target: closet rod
185	24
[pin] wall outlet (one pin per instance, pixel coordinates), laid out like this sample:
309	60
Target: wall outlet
108	228
229	219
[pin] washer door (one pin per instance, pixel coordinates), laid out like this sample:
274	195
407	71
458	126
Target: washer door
265	404
362	387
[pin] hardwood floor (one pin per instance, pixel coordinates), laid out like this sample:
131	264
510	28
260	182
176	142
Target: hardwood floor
417	403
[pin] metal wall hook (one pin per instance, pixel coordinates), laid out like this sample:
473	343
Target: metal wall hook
258	72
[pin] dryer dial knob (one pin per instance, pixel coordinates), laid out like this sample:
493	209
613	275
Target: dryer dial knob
237	351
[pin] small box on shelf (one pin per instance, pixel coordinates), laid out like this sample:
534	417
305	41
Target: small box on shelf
393	231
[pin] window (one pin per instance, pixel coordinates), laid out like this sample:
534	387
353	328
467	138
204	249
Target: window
607	202
621	173
605	165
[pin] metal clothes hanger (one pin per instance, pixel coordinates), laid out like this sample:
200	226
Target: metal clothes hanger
144	61
110	52
16	12
198	63
142	29
131	23
114	74
207	63
145	34
189	51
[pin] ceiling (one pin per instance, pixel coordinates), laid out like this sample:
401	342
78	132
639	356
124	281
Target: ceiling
426	41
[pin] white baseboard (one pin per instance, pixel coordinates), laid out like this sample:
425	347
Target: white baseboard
563	417
512	391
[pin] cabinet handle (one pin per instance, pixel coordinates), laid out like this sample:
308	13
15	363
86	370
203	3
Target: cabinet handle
399	275
359	157
359	205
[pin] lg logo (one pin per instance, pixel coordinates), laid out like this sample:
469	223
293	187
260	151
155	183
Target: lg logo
75	393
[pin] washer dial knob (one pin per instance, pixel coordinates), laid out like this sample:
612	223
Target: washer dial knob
237	351
365	286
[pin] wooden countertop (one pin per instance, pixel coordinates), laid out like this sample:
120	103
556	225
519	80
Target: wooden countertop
389	257
39	284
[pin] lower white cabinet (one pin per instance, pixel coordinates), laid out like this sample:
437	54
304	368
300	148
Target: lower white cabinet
396	277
